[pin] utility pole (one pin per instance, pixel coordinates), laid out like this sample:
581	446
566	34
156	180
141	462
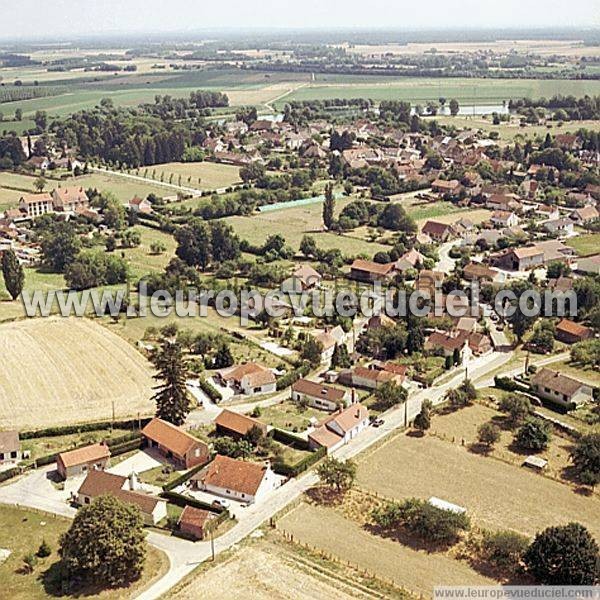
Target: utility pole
212	544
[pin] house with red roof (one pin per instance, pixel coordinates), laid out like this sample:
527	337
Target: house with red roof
82	460
339	428
175	444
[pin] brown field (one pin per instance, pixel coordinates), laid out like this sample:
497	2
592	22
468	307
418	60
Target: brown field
211	175
58	371
270	572
463	424
417	570
477	216
543	47
496	495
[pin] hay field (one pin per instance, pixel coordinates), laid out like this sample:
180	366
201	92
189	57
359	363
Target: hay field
419	571
204	175
270	572
496	495
58	371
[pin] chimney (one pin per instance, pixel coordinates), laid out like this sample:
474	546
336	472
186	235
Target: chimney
133	482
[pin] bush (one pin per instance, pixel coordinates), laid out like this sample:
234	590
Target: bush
428	522
488	434
287	470
504	549
44	550
517	408
212	392
292	376
586	458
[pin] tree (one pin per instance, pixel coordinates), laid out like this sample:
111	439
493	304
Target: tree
18	114
171	397
423	419
60	245
105	543
454	107
586	458
390	394
44	550
337	474
115	215
565	555
13	273
488	434
340	358
328	207
39	184
223	357
534	435
41	120
308	246
517	408
312	351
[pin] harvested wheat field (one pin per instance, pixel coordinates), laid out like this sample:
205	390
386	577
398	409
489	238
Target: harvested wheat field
270	572
59	371
496	495
416	570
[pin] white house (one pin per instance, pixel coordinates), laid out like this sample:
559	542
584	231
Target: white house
329	339
318	395
248	379
240	480
560	227
339	428
560	389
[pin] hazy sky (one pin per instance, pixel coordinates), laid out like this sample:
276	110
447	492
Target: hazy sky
76	18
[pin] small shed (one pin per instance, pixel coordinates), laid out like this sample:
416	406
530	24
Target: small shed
535	462
448	506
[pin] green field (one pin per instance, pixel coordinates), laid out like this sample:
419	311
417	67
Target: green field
585	245
421	89
203	175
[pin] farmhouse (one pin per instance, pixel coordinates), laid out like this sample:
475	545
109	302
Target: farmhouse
561	389
139	205
195	522
441	186
236	425
175	444
329	339
99	483
303	278
82	460
10	447
240	480
249	379
438	232
339	428
504	218
482	273
570	332
69	198
36	205
586	214
559	227
317	395
370	379
369	271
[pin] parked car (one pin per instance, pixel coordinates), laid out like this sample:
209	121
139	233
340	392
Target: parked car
378	422
221	503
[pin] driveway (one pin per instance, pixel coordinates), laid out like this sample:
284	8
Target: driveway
138	463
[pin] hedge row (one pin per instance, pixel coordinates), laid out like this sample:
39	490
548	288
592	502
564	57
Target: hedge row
212	392
282	468
183	501
83	427
289	439
292	376
182	478
510	385
9	473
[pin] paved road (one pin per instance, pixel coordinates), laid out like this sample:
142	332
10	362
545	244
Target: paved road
32	490
446	264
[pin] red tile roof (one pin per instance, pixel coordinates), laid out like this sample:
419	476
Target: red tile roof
238	423
170	436
81	456
228	473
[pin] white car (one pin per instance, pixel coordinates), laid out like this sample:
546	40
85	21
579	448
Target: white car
221	502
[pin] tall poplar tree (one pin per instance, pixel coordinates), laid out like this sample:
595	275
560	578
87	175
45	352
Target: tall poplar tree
14	275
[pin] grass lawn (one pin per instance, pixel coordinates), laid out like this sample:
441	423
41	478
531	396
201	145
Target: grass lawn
122	187
585	244
287	415
202	175
43	446
296	222
424	467
159	476
589	375
22	533
141	260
